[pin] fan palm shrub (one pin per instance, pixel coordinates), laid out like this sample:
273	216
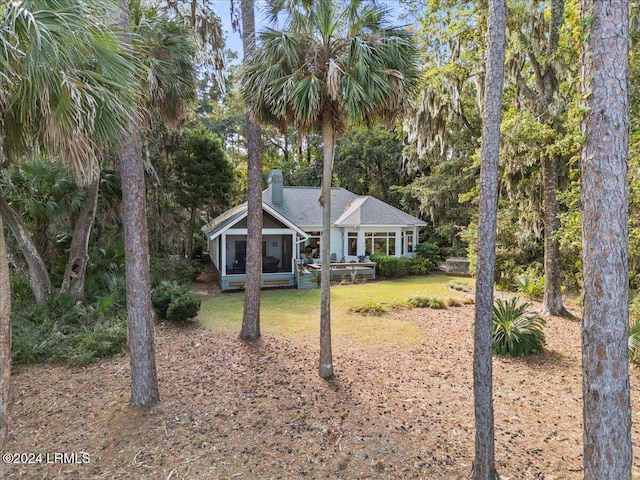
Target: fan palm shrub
531	287
516	330
634	340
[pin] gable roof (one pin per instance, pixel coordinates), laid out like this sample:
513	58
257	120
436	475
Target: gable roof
228	219
300	205
225	220
372	211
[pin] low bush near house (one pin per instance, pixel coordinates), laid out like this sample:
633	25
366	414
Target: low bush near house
516	331
430	252
420	266
388	266
174	302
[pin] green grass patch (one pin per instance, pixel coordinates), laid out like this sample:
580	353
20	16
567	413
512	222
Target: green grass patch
296	313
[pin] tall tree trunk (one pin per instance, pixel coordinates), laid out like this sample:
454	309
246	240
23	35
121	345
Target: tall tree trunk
189	247
325	369
5	342
484	460
552	300
144	379
76	270
605	126
39	279
251	316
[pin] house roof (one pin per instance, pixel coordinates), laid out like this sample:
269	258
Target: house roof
372	211
229	218
226	219
301	206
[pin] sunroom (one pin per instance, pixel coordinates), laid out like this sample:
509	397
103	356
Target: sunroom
227	246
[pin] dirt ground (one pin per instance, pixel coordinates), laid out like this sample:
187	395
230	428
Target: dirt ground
231	411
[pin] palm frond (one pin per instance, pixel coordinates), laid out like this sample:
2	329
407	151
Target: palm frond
634	340
345	57
69	90
516	331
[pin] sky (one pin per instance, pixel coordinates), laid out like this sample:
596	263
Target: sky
234	42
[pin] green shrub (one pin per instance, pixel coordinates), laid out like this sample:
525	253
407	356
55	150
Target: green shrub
371	308
516	331
162	296
634	341
174	302
420	266
102	340
77	334
634	307
429	251
183	307
422	301
532	288
388	266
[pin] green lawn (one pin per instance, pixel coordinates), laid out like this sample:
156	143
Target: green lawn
296	313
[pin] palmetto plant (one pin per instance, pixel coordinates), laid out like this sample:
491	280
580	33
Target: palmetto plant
332	62
65	80
634	340
516	331
531	287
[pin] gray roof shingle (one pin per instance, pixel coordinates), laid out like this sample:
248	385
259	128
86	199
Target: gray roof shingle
301	206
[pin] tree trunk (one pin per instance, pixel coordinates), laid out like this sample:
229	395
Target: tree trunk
144	380
484	460
605	327
75	272
5	342
552	300
189	246
251	315
328	142
39	279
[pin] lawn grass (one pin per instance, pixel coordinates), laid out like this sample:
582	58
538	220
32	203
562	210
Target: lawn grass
296	313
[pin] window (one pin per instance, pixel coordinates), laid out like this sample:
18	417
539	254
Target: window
409	242
380	243
352	243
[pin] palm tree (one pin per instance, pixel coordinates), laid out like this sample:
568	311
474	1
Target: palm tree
331	63
484	460
75	110
167	77
63	90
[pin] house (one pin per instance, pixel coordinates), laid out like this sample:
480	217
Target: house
360	226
